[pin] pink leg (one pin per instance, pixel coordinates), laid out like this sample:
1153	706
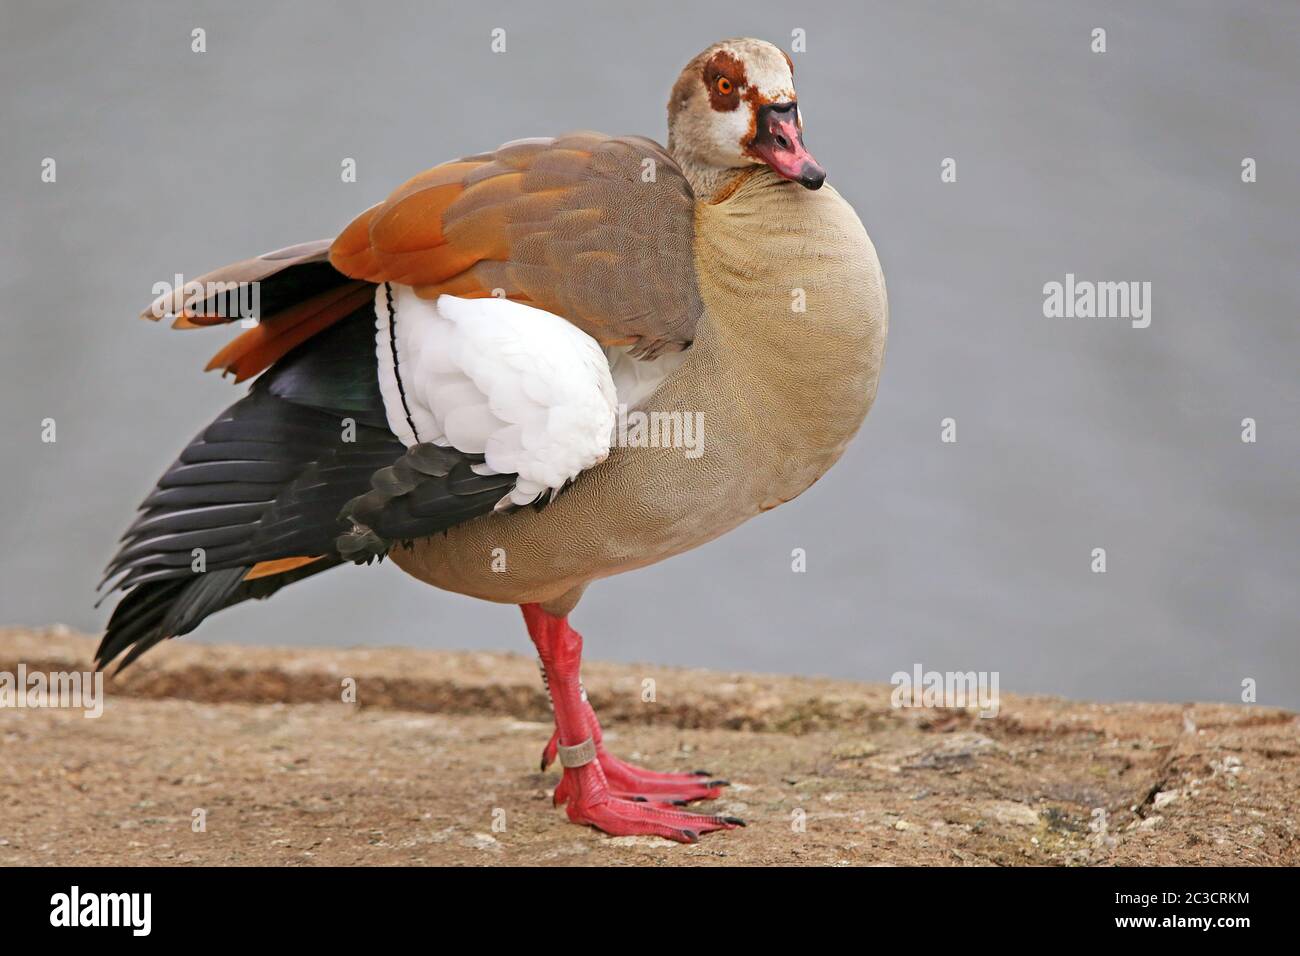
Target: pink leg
588	788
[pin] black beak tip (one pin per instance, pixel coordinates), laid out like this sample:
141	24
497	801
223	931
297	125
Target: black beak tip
812	177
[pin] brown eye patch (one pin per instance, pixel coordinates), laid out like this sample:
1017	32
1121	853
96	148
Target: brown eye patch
724	76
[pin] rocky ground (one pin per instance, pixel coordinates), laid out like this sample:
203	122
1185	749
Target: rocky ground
436	763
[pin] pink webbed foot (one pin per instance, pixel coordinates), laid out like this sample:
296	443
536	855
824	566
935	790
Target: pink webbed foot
590	802
631	782
598	789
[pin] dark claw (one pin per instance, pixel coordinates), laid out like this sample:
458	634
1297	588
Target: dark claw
639	800
691	836
701	773
680	803
736	821
718	783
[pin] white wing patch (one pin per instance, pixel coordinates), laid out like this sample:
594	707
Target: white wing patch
521	386
635	379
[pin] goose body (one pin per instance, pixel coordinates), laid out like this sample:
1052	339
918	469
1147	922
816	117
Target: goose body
779	392
445	383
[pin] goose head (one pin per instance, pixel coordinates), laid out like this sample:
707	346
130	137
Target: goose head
734	107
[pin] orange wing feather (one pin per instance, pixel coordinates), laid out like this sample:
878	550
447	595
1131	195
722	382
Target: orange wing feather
317	297
571	225
261	347
264	569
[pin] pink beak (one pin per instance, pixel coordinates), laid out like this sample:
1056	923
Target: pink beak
779	143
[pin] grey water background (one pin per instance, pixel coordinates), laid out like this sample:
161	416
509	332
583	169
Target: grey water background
1072	433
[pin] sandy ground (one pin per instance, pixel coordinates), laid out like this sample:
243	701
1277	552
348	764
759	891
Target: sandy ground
436	763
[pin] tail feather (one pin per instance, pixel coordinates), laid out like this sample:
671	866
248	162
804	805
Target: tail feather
156	611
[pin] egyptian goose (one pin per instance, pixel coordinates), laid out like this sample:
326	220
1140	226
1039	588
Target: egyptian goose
443	383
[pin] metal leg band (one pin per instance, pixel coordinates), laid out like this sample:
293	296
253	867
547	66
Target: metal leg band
578	755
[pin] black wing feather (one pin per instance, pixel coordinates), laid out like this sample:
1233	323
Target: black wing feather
303	466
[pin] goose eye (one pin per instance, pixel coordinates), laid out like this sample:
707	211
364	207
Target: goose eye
724	85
